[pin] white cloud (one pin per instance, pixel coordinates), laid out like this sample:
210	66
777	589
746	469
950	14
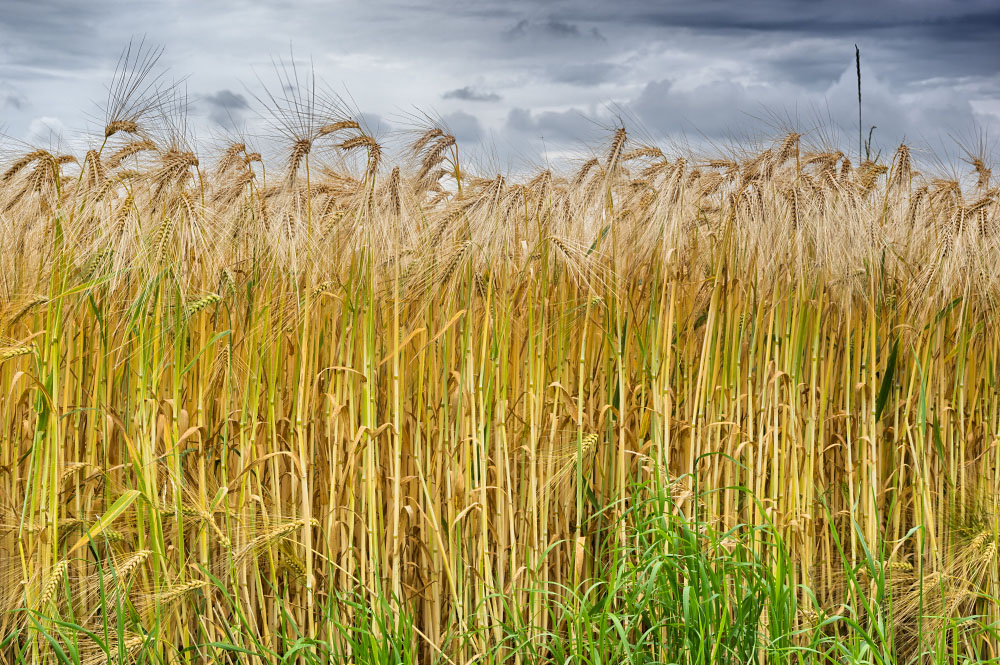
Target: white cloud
46	131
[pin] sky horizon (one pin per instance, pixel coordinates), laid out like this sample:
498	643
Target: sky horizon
528	82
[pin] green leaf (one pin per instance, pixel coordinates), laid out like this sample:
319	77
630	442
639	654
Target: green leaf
883	391
116	509
212	341
598	239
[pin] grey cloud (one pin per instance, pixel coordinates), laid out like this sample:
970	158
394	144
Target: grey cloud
720	110
43	36
806	43
463	126
572	126
585	74
520	120
927	36
470	94
917	117
227	99
715	68
560	28
226	107
953	20
552	27
15	102
519	30
373	123
813	64
715	109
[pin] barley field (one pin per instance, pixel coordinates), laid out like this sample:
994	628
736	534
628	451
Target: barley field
367	405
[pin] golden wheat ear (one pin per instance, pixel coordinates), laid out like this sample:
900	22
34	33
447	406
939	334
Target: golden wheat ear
138	89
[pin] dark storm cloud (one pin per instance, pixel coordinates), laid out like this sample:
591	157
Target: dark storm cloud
946	20
934	37
470	94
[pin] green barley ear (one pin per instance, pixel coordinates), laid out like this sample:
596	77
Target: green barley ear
22	308
227	283
162	239
11	352
48	590
97	264
178	592
192	308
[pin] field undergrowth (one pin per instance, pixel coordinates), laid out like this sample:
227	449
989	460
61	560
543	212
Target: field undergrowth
373	406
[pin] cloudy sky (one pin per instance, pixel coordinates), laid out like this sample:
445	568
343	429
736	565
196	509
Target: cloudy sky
521	81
